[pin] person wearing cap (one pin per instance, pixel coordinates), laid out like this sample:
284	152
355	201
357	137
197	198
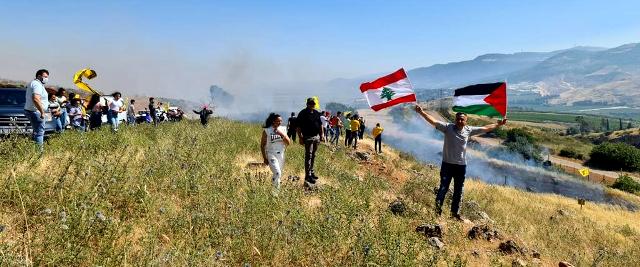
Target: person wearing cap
310	133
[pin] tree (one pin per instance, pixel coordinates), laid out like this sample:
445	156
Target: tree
334	107
615	156
629	125
387	93
621	124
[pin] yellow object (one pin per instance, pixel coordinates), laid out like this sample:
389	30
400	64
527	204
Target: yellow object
166	107
377	131
584	172
355	125
87	73
317	100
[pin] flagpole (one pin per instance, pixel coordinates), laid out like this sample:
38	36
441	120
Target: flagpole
411	84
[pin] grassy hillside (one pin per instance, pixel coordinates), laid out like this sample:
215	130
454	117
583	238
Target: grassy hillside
180	195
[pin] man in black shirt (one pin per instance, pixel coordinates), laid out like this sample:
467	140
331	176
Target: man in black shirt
311	133
204	113
291	127
152	111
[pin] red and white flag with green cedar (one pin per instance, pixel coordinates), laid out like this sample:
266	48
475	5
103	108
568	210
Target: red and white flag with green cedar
388	91
488	99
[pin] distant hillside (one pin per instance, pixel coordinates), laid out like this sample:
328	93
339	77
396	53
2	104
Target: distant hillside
580	76
576	76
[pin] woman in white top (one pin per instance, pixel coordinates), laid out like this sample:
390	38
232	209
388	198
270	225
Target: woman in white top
115	106
274	141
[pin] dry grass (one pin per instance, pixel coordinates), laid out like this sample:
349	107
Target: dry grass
181	194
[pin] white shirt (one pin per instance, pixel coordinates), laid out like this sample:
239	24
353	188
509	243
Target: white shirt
325	121
115	105
36	87
131	110
275	143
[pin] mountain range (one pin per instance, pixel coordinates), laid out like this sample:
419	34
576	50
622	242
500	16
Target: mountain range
576	76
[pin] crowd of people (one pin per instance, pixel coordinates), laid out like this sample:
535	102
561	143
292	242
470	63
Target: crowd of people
73	111
310	127
333	126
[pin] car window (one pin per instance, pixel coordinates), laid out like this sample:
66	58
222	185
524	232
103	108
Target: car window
12	97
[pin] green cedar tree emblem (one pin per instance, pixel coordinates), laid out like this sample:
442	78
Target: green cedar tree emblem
387	93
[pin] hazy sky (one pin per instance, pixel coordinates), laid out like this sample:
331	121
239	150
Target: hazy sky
179	48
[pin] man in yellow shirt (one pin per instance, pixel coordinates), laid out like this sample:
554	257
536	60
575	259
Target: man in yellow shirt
377	137
355	126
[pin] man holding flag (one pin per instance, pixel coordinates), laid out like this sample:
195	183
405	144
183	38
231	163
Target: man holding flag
472	99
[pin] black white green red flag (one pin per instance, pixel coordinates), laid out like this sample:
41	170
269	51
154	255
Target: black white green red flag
388	91
488	99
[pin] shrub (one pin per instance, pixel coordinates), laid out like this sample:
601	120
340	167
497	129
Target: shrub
514	133
519	140
627	184
615	156
570	152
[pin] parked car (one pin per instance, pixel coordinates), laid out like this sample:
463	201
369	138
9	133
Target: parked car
12	118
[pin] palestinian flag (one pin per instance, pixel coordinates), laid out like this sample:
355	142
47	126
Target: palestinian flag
388	91
488	99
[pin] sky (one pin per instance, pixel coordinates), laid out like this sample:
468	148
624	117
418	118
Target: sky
180	48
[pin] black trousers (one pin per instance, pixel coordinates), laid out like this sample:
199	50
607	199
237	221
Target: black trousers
310	148
292	136
354	138
347	137
448	172
377	146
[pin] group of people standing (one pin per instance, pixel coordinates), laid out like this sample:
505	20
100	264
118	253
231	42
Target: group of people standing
353	125
71	109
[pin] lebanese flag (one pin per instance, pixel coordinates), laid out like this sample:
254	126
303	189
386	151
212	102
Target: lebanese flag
488	99
388	91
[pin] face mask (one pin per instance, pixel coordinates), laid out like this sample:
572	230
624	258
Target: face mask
45	80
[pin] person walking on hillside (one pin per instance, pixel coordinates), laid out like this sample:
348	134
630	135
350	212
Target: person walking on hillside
362	128
204	114
325	123
131	112
152	111
310	134
36	102
115	107
377	138
454	162
273	143
291	127
336	123
347	130
355	130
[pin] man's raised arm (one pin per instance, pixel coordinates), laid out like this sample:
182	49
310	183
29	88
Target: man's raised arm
426	116
493	126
